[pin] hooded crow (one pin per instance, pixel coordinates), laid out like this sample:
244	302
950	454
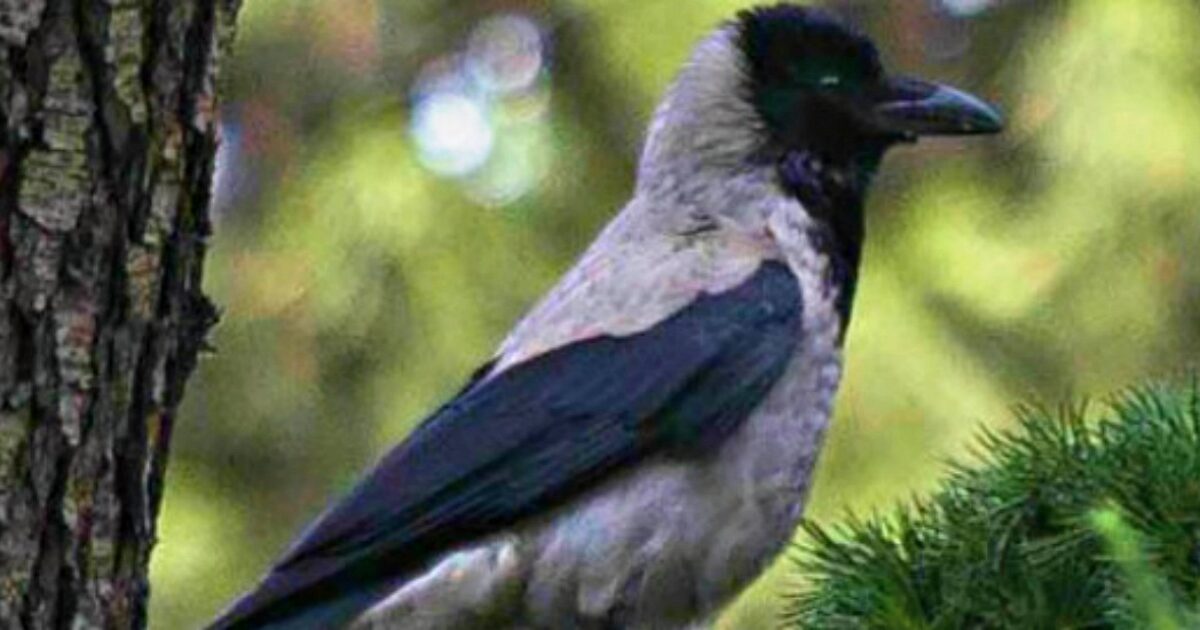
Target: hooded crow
639	448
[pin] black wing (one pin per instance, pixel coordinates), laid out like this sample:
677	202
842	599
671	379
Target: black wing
532	436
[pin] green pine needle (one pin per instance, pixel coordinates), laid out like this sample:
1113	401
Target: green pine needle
1063	523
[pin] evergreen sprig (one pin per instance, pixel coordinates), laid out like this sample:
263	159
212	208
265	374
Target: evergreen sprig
1062	523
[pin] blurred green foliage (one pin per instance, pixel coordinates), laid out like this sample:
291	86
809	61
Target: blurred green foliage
359	288
1146	599
1064	523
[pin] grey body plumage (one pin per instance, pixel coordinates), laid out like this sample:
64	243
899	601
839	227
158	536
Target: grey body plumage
663	545
665	536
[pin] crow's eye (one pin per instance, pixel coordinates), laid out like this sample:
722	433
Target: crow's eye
826	73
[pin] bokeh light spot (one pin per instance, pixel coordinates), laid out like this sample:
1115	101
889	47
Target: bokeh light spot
452	132
480	114
966	8
504	53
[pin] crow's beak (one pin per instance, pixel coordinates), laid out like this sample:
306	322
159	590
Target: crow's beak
911	108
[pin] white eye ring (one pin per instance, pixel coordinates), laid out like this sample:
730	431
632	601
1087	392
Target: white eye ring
830	80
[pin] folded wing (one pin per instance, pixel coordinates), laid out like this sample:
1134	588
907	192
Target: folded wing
520	442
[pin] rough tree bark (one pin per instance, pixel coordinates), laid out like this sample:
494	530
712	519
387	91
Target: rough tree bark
107	141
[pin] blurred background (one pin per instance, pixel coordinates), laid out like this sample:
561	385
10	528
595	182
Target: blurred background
400	179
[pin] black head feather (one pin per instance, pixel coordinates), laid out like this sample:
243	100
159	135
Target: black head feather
787	42
803	64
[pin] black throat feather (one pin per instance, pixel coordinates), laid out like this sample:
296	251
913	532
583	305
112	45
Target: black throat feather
833	194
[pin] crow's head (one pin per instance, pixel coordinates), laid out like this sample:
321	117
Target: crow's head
820	87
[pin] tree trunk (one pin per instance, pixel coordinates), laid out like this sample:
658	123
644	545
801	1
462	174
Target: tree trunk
107	141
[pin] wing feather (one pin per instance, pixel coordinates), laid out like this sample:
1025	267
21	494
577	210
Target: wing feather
522	441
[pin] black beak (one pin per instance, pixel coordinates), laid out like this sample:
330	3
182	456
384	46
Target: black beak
910	108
